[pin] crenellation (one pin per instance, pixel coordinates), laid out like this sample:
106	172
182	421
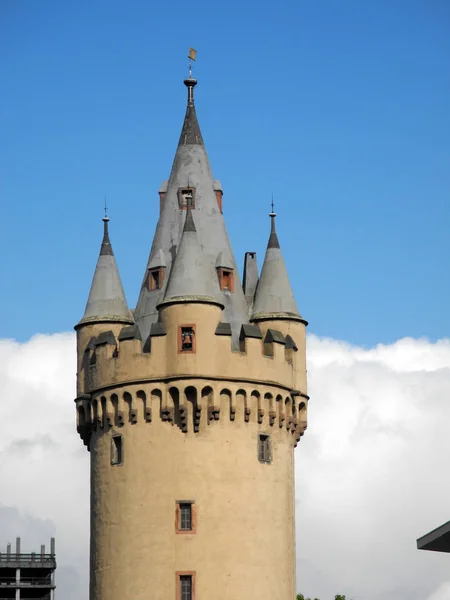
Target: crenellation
185	406
113	361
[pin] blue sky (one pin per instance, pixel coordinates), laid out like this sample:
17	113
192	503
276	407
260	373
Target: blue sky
338	108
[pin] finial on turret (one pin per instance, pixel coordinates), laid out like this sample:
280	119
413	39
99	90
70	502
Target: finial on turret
273	239
190	82
106	247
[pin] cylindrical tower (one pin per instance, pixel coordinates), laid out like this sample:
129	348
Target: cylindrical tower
191	412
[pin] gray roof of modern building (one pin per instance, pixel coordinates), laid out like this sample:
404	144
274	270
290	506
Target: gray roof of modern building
437	540
106	302
191	169
274	298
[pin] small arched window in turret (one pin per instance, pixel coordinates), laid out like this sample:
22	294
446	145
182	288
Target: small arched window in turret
155	278
226	279
186	195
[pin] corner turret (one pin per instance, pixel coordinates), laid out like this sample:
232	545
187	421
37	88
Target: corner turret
274	299
106	308
106	302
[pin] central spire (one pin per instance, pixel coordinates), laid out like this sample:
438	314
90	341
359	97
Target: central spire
191	235
190	133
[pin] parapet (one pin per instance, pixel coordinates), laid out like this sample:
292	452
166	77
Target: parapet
189	363
192	406
191	350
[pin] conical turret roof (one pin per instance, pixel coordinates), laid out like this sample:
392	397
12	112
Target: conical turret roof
192	278
191	172
274	298
106	300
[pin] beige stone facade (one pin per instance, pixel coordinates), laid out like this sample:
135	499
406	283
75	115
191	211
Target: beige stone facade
211	431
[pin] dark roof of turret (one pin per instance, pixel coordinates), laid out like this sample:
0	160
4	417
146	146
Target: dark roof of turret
190	133
191	169
106	300
274	297
192	278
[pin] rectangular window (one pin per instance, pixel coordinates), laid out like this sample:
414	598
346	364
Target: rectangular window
155	279
185	521
226	279
185	517
186	338
264	449
185	585
116	450
185	196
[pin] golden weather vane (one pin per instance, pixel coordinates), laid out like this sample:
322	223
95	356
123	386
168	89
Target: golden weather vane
192	54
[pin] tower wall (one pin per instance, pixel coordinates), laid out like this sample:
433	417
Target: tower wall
86	334
189	427
243	545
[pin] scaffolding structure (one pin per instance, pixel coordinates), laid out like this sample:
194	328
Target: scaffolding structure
27	576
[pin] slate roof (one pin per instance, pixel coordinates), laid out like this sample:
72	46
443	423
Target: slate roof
274	297
191	169
106	300
192	279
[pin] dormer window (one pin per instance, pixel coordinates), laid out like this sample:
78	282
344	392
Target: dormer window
186	338
226	279
186	195
155	278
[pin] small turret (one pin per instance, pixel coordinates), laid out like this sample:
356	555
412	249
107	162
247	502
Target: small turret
106	309
274	298
106	302
192	278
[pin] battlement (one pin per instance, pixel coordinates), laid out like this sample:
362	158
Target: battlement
191	405
116	355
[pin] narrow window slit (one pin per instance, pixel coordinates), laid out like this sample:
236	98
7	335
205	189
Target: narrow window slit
185	517
116	450
264	448
186	587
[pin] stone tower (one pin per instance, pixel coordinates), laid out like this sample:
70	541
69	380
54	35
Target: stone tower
191	406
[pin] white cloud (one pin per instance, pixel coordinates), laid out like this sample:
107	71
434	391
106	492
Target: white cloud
371	470
442	593
44	469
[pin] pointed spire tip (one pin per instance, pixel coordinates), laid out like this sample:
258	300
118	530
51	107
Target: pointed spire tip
190	83
106	248
273	239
